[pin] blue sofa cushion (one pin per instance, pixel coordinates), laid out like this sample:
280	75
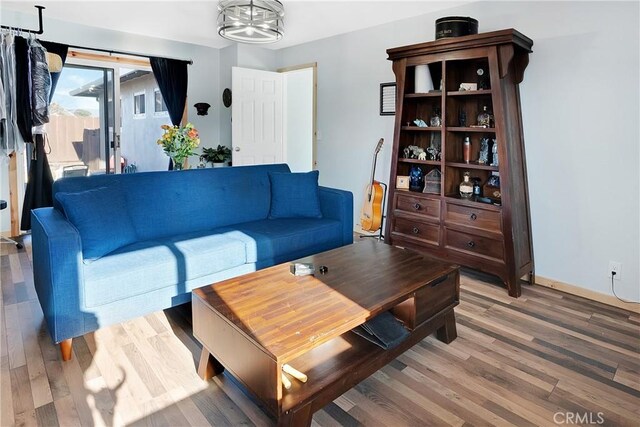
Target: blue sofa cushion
294	195
101	216
290	238
154	264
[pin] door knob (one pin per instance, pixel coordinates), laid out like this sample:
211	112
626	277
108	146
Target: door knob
237	148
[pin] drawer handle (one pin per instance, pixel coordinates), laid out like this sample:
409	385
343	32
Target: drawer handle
439	280
415	230
471	243
473	217
417	206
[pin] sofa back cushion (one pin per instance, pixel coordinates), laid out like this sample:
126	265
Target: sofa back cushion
101	217
294	195
163	204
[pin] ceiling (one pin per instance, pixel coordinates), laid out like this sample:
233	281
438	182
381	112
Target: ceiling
195	21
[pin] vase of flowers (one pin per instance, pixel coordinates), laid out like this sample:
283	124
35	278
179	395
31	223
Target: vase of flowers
179	142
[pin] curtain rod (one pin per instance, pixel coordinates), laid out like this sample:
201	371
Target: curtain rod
120	52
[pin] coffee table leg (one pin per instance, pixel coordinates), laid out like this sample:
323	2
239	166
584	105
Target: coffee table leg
208	367
447	332
300	418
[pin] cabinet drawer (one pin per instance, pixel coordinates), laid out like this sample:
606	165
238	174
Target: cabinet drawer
469	242
419	205
428	301
473	217
418	230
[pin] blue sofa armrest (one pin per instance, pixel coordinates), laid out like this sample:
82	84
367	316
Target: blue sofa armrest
58	272
338	204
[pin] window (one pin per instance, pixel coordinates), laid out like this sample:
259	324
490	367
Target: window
161	107
139	104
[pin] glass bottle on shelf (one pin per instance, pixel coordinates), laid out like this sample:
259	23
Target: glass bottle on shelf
485	118
494	152
436	121
477	189
466	187
466	149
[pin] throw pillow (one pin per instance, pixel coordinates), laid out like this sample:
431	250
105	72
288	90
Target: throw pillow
102	219
294	195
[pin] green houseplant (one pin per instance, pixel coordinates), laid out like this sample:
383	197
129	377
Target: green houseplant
216	156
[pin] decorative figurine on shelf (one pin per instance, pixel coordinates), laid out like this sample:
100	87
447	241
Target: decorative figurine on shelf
483	157
494	151
407	153
436	121
422	156
482	78
462	118
433	153
485	118
466	149
414	152
416	178
434	146
466	187
421	123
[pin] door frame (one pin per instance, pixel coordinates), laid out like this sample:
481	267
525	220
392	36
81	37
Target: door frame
314	141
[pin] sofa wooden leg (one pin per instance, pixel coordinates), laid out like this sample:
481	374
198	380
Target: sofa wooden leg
65	349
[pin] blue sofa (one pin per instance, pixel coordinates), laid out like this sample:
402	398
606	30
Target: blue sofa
190	228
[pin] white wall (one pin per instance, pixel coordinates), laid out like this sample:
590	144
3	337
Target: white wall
298	119
580	102
203	74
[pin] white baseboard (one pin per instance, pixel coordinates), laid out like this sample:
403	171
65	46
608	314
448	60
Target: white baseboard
586	293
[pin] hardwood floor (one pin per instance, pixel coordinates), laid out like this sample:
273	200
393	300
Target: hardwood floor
543	359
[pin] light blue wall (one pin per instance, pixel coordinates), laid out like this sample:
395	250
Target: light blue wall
580	105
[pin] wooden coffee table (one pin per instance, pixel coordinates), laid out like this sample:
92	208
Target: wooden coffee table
253	324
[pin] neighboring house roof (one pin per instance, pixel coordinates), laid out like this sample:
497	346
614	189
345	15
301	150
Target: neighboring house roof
92	89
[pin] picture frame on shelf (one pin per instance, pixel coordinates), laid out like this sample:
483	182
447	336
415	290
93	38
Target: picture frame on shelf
402	182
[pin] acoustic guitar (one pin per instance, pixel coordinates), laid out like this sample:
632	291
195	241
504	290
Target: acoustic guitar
371	217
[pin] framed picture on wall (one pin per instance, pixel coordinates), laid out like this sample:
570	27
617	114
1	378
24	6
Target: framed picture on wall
387	99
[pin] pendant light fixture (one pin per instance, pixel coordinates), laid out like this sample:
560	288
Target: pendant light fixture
251	21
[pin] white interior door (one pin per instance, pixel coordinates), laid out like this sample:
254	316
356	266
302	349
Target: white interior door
257	109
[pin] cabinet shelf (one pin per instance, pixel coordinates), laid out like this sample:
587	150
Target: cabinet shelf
436	94
421	129
469	92
469	129
422	162
472	165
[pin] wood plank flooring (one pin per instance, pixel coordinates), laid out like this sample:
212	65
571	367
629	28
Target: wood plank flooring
546	358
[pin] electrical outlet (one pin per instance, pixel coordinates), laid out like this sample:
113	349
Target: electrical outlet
617	268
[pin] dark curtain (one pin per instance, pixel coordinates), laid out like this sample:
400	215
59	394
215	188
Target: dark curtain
39	192
172	78
23	89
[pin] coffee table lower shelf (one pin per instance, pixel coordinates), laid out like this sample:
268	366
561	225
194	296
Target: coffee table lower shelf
332	368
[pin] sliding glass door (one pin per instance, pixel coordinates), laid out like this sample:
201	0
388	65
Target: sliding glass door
91	134
81	126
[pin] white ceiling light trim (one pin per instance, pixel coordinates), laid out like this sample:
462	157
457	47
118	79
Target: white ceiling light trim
251	21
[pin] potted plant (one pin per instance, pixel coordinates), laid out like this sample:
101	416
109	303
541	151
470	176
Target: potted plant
218	157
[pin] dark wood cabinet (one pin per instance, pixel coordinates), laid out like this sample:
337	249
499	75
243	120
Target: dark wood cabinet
494	237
